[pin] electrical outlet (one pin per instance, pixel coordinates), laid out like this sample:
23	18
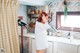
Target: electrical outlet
1	50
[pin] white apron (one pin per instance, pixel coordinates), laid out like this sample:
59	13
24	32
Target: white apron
41	35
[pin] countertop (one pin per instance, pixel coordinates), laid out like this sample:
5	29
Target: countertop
57	39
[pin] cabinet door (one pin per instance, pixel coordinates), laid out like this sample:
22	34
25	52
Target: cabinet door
25	44
79	49
33	46
66	48
49	50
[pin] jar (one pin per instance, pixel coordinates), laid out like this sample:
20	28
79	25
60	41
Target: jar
40	11
58	34
36	11
32	12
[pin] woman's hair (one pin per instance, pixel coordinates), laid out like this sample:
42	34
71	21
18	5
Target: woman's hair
40	16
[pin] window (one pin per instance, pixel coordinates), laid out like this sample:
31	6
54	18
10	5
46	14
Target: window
69	23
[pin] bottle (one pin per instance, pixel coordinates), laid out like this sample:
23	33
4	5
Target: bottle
58	34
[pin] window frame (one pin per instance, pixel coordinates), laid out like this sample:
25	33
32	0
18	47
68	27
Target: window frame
58	21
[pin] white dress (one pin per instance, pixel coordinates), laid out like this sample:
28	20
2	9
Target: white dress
41	35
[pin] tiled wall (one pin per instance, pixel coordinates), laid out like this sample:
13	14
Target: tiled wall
73	5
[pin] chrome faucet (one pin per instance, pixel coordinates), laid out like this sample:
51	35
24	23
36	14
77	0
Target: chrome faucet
69	35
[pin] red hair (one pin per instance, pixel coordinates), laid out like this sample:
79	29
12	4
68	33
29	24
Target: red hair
40	16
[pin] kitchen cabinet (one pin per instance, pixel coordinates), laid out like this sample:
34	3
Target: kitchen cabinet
26	44
56	44
66	48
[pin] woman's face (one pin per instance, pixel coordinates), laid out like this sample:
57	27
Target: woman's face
44	18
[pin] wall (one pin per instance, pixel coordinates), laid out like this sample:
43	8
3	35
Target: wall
44	8
73	5
22	11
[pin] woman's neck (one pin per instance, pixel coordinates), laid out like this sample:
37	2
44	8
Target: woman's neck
43	22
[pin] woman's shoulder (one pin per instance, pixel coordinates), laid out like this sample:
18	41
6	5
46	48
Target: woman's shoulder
39	24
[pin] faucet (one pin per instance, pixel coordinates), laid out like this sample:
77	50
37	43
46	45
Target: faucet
50	32
69	35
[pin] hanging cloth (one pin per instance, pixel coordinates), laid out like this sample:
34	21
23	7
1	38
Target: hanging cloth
65	8
65	11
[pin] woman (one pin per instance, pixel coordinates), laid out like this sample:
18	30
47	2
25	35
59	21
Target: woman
41	33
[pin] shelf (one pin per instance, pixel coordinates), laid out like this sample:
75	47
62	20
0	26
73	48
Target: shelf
35	15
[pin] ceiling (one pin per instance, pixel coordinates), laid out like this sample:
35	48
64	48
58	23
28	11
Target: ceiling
34	2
